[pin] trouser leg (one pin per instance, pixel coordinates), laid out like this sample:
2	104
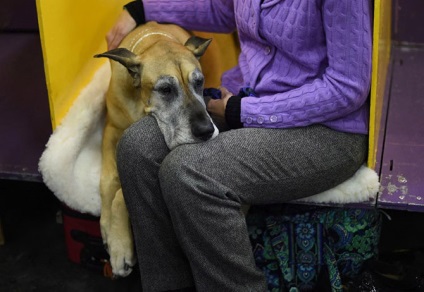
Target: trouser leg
162	264
205	184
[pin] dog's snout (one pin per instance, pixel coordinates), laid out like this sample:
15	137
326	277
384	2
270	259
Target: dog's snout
203	131
201	125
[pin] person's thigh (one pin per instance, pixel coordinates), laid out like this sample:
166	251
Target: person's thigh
265	166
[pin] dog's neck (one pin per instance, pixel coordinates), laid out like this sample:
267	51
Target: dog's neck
145	34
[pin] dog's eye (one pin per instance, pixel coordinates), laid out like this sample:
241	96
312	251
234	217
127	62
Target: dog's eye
198	83
165	89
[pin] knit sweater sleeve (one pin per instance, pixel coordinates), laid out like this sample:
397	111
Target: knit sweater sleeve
202	15
342	88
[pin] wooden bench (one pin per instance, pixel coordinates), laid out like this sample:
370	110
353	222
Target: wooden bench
402	150
401	147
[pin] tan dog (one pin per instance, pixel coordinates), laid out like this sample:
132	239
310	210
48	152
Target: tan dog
157	72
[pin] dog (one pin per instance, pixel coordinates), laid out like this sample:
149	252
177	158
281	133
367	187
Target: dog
155	71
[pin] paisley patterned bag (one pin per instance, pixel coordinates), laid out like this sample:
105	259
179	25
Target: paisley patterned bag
300	247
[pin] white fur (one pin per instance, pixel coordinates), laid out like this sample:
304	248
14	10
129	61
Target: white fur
71	162
363	186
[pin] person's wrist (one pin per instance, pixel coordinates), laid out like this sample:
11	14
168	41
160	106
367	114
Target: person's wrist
136	10
233	112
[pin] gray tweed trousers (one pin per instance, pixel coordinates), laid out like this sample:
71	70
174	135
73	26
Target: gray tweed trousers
184	204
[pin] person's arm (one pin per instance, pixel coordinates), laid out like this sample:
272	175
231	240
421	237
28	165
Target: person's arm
202	15
344	86
212	15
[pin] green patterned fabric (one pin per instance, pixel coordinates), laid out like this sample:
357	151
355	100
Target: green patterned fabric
299	247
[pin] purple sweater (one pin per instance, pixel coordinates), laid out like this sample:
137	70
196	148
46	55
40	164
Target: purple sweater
309	61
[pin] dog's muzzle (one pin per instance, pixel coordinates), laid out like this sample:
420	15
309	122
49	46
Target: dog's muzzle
202	127
203	131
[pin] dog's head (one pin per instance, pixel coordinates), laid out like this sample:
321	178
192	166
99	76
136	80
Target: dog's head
168	80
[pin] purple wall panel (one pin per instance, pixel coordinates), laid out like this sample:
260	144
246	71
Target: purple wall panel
24	111
408	21
18	15
402	169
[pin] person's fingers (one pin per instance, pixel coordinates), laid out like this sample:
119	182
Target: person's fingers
225	93
121	28
110	40
224	90
114	41
216	107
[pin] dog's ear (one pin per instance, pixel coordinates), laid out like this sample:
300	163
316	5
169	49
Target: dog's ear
197	45
127	59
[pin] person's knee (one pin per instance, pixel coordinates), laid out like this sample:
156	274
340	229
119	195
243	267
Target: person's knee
142	140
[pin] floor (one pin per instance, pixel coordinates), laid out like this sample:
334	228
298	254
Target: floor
34	256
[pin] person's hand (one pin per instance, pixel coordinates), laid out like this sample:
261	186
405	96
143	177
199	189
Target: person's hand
120	29
216	107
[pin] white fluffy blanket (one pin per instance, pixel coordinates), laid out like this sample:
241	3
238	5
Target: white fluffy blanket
71	162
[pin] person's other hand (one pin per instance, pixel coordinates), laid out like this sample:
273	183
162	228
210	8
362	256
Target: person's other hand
120	29
216	107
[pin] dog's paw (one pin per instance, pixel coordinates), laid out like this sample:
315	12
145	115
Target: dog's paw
122	258
117	237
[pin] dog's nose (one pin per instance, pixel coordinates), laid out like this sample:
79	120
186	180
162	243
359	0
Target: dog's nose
203	131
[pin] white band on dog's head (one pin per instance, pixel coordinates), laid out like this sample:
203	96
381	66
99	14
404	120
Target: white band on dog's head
136	41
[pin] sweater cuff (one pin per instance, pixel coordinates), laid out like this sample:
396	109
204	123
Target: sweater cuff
136	10
233	112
